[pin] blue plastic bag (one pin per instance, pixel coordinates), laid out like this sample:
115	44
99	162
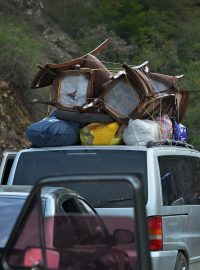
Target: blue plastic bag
53	132
180	132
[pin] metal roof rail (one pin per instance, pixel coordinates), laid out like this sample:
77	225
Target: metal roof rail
169	142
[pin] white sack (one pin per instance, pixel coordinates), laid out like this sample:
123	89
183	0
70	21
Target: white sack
140	132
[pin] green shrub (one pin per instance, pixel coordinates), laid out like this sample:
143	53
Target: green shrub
20	51
117	51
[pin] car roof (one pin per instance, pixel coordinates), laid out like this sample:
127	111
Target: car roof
84	147
166	144
56	191
23	191
15	190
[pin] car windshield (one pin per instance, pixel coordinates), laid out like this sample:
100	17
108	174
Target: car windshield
9	211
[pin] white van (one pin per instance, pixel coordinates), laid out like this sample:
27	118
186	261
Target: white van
171	179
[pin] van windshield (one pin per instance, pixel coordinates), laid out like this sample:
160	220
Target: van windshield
35	165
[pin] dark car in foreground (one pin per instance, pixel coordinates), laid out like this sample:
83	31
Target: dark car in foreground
78	240
68	219
55	201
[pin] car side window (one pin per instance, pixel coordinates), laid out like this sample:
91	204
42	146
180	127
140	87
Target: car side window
85	207
70	206
86	228
180	180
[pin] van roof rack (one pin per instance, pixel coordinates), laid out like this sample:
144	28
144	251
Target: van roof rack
169	143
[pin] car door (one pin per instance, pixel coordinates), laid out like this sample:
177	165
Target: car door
27	244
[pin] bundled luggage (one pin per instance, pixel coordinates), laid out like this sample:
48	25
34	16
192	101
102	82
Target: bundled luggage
53	132
84	92
100	134
180	132
166	127
140	132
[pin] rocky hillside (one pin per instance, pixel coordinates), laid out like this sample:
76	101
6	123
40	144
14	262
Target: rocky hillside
14	117
16	111
39	31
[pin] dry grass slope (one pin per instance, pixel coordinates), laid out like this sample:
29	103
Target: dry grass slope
14	118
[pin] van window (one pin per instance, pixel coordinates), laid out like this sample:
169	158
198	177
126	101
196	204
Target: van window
7	169
33	166
180	179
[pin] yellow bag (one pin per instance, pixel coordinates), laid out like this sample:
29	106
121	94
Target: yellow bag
100	134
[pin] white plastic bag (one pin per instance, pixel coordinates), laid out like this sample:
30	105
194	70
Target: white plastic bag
140	132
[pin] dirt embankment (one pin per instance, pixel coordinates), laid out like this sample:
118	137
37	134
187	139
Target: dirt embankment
14	117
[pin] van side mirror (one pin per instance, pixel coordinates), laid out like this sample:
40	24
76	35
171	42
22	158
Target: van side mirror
123	236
